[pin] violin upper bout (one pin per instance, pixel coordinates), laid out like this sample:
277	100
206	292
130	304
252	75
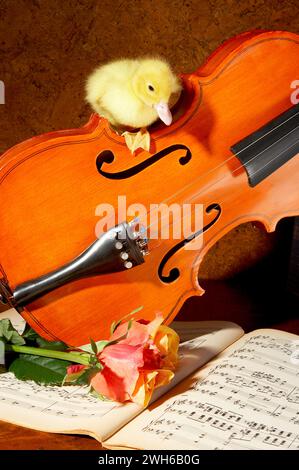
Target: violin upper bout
92	128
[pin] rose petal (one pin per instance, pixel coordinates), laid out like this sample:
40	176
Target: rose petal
109	384
120	355
74	372
167	341
144	388
154	325
137	334
147	382
163	377
138	364
151	358
124	361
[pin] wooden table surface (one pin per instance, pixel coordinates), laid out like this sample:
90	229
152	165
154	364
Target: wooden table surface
18	438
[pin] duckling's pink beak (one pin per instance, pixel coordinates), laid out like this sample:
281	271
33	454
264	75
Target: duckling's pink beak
164	112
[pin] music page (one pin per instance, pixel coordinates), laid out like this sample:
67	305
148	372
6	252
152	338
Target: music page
247	398
72	409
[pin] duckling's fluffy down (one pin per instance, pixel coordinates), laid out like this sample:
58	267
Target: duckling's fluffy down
110	93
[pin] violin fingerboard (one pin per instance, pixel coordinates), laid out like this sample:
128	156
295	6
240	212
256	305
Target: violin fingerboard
270	147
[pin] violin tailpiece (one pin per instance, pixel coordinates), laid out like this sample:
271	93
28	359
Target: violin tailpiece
118	249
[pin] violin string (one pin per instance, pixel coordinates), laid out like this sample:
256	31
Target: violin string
223	163
253	158
250	160
232	157
234	171
268	163
156	245
269	132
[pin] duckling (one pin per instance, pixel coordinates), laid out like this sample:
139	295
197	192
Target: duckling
133	93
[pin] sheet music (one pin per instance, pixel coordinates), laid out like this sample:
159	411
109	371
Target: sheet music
15	318
73	409
189	330
66	402
51	408
246	399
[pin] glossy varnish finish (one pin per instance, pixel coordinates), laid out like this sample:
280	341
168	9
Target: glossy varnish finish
50	187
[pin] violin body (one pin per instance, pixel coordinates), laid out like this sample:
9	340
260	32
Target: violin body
51	185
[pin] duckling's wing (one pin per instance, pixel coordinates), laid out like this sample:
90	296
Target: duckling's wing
104	112
107	82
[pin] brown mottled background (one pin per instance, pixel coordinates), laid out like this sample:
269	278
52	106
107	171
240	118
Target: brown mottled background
48	47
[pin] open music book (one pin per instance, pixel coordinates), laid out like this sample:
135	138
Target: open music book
231	391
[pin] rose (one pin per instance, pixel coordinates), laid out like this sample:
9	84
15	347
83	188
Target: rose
137	364
139	357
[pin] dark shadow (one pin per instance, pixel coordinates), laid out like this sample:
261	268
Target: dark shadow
258	297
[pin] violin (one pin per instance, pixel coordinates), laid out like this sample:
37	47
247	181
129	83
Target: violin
233	150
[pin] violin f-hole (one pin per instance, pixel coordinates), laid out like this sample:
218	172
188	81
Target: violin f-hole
107	156
175	272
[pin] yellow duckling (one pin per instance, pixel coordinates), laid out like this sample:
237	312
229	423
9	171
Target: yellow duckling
134	93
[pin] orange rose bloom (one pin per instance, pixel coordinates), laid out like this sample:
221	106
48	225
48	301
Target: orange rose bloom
136	365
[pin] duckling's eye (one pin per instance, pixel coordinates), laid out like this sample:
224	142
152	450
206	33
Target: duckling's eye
150	87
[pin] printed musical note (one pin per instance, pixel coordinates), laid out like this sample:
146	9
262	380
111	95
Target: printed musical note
62	402
236	404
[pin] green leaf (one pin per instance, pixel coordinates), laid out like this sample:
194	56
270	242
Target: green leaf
93	346
9	334
53	345
29	333
124	336
43	370
85	377
100	345
136	310
114	325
